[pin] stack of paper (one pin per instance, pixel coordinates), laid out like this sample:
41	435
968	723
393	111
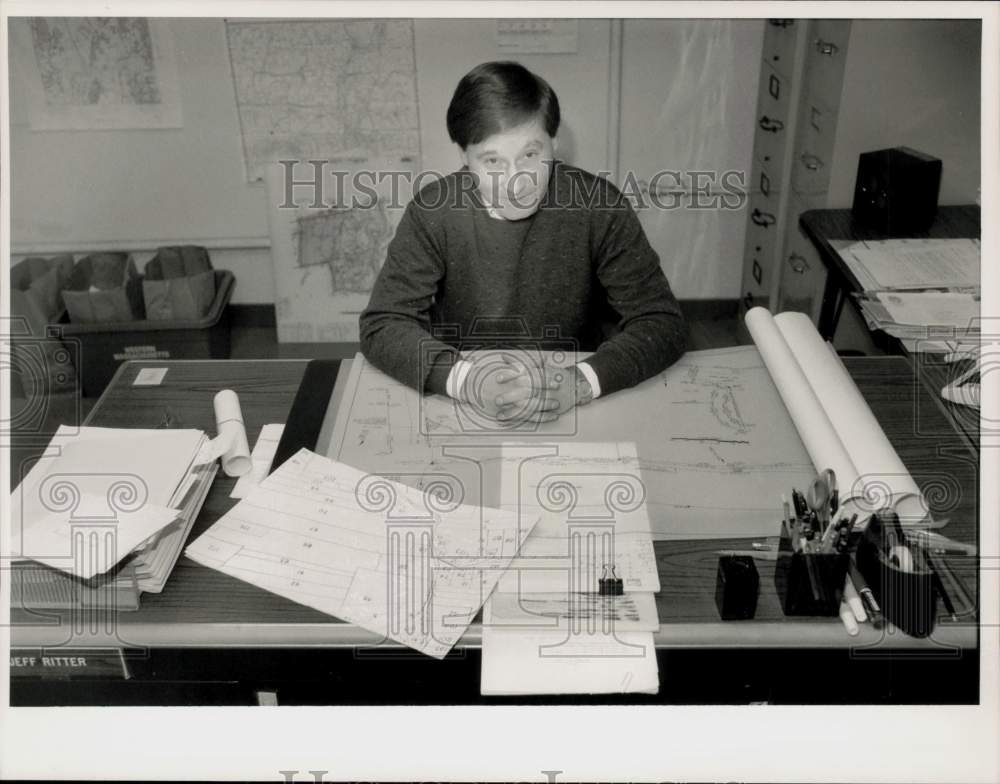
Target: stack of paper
154	560
914	264
547	629
109	507
923	315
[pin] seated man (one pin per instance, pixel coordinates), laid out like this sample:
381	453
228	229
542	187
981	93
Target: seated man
528	245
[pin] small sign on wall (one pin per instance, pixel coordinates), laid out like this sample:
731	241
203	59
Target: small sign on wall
537	36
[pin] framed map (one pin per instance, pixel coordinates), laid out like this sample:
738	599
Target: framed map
97	73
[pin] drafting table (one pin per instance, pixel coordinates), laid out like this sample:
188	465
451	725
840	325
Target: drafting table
214	639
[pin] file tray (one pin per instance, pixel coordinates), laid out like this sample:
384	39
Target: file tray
34	586
809	583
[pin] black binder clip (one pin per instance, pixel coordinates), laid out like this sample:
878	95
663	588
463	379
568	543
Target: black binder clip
610	586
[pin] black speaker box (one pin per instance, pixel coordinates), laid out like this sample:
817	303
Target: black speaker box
896	191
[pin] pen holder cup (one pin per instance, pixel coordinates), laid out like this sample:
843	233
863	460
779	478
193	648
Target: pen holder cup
908	598
809	583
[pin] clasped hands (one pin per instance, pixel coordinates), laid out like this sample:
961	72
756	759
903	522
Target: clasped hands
516	388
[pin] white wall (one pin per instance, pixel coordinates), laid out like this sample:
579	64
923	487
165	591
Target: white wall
924	94
94	189
448	48
90	190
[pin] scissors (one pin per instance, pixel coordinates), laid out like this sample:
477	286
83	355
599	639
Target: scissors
823	496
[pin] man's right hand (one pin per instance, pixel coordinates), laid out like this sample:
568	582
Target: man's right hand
503	386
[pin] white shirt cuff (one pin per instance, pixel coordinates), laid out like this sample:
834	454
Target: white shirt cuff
456	378
591	376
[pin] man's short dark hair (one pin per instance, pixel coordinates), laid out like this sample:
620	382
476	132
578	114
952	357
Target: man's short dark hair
493	97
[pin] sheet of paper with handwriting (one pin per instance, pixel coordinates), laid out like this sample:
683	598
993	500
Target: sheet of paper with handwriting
411	565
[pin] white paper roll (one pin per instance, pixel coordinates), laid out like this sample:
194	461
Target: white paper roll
881	478
231	443
817	431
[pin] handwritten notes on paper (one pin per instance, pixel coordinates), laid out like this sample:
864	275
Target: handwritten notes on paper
914	263
413	566
519	662
260	460
590	502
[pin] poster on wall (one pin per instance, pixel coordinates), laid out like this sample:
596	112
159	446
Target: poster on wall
97	73
336	101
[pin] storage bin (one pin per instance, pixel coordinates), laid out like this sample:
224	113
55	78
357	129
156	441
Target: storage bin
103	347
40	363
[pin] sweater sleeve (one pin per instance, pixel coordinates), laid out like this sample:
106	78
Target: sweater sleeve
652	331
396	326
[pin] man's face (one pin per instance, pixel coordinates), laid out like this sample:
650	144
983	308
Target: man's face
512	168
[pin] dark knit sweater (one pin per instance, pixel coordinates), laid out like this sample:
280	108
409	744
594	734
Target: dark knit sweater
580	266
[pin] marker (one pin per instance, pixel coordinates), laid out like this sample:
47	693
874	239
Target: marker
848	619
854	601
861	586
801	509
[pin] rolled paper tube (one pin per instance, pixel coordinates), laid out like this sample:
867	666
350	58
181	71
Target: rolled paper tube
231	443
881	477
818	434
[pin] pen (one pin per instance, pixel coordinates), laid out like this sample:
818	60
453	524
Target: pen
813	579
763	555
791	524
932	540
826	541
853	600
867	597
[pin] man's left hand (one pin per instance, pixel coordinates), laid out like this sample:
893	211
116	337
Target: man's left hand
554	391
